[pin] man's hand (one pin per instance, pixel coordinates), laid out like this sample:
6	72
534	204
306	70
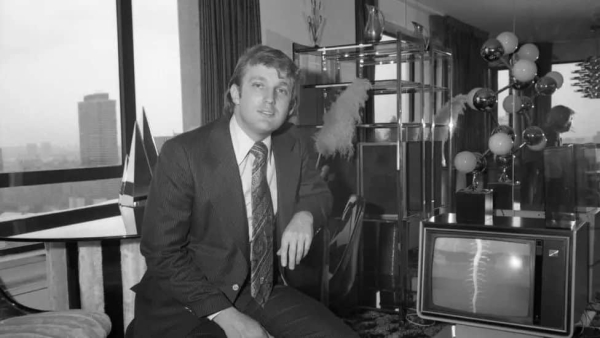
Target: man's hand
296	239
238	325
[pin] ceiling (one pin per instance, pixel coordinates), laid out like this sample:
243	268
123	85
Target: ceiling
533	20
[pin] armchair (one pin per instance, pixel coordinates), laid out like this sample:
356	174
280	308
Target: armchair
17	320
328	272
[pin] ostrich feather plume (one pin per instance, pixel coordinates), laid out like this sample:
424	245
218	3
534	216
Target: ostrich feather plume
339	123
450	111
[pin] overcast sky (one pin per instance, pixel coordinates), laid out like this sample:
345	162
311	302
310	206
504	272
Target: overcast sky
53	53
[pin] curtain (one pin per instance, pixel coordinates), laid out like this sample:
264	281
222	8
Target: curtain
227	28
360	15
469	70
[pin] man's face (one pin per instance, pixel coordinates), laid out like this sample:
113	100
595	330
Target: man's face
262	102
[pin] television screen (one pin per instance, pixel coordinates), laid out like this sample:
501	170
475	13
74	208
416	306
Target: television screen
489	278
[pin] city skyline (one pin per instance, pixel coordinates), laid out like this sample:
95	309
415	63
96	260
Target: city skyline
45	73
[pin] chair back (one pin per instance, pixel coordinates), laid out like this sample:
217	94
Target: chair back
343	248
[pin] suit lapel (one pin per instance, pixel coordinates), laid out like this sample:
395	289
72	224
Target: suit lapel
224	186
287	164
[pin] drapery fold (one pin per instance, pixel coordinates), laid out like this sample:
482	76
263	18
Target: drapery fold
227	28
469	71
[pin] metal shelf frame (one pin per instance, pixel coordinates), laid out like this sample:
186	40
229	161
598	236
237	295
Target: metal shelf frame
419	94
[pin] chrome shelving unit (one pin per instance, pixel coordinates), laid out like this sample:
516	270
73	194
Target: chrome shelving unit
402	159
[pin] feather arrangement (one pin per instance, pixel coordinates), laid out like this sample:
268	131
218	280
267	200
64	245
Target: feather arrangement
339	123
450	111
448	115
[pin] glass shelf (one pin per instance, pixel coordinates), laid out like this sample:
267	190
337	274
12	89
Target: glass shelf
374	54
411	132
384	87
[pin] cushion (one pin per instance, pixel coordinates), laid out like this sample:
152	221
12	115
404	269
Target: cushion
57	324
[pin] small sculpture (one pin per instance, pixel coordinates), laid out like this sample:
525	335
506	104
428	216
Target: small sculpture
137	174
315	21
473	205
471	162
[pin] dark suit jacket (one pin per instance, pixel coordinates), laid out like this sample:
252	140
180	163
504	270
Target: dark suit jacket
195	230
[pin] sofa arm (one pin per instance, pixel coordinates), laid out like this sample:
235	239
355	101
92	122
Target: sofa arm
59	324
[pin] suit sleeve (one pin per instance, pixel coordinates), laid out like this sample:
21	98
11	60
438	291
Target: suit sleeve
313	194
165	231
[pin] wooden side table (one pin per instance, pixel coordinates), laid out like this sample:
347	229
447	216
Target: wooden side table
91	265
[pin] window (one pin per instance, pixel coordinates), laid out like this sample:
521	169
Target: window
157	65
586	110
60	85
385	109
68	96
503	116
67	93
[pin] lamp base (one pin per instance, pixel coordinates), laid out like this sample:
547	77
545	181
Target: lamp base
507	195
474	206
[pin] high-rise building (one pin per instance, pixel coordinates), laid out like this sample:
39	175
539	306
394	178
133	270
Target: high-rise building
33	152
98	130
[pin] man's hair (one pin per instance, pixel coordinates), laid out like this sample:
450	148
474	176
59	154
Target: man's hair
559	117
266	56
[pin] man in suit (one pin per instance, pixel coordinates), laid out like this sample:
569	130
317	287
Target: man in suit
232	206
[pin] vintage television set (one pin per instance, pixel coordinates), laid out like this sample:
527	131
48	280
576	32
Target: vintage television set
513	275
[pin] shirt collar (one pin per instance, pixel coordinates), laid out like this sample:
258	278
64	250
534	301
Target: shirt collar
242	143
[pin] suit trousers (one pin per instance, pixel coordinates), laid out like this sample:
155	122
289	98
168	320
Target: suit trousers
287	314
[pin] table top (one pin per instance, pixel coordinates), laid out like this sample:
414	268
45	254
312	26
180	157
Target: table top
514	224
92	223
100	229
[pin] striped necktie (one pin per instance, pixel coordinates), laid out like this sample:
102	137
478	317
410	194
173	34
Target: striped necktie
261	245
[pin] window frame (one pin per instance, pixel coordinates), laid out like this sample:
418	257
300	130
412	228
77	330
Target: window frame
127	119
